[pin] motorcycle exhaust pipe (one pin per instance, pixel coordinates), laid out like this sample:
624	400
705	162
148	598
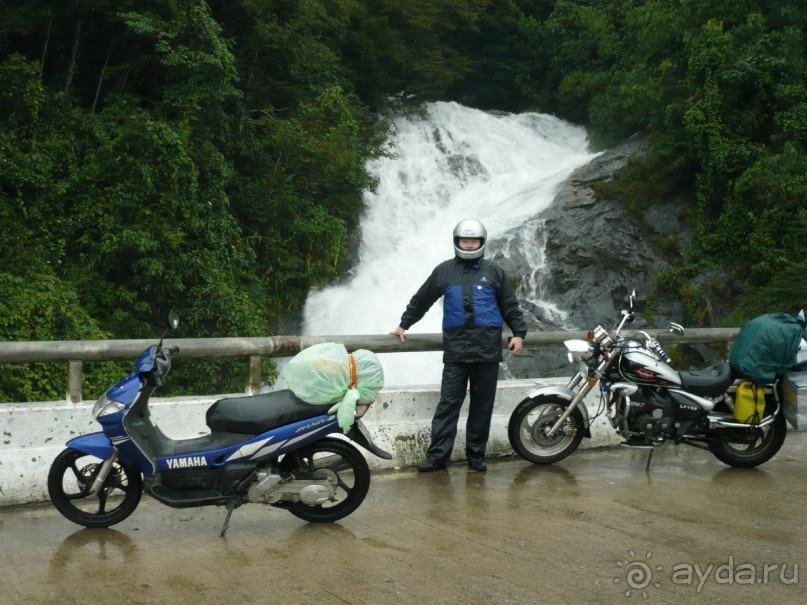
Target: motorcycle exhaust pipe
722	422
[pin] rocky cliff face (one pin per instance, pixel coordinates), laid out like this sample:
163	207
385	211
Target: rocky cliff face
596	252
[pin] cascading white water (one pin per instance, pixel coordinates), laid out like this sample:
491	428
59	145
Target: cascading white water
451	163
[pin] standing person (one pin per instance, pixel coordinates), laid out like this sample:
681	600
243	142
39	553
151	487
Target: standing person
477	300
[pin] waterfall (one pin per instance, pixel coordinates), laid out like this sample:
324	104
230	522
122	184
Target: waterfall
449	163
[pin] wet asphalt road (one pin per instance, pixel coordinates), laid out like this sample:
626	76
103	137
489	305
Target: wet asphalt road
595	528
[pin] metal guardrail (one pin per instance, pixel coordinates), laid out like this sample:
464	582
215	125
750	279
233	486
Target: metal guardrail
76	352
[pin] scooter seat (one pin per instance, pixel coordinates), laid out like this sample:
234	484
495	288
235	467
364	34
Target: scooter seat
254	414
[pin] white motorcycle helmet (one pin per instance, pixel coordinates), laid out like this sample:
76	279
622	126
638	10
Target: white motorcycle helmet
470	228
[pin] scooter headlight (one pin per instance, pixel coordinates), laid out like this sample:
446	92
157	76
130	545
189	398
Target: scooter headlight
106	406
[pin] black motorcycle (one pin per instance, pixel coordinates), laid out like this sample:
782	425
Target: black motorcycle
647	402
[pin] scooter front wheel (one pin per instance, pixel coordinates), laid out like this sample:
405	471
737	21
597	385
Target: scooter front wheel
529	426
70	479
343	465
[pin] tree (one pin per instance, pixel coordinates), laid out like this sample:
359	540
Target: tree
299	186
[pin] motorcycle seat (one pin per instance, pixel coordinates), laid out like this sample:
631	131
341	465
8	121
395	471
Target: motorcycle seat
708	382
254	414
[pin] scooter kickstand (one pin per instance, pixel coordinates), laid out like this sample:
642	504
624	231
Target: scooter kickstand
231	505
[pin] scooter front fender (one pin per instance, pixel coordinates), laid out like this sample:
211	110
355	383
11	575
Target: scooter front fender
95	444
564	393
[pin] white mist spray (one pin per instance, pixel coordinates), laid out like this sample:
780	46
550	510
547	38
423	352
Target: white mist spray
451	163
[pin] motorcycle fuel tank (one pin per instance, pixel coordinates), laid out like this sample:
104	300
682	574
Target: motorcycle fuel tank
641	367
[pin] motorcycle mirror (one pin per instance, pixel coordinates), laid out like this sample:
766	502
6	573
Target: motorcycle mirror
676	328
632	298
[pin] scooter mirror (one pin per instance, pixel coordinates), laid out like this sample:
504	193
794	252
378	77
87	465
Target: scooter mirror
173	319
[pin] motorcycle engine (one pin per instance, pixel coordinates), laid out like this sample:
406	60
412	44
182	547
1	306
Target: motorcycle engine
652	415
270	488
265	488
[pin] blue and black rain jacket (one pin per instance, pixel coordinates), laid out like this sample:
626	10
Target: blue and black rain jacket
477	301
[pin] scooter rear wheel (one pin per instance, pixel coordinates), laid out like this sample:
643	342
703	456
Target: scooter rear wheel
343	464
69	481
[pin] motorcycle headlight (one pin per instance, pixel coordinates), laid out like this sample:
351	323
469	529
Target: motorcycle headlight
106	406
578	349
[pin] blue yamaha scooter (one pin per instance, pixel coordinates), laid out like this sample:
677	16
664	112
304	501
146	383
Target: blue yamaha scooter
270	448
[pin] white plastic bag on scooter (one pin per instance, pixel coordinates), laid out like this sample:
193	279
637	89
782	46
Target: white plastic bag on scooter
326	373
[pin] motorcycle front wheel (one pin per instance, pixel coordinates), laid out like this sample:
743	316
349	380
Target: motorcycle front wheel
530	422
752	447
70	479
343	465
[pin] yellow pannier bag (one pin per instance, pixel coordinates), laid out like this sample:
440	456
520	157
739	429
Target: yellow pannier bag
749	403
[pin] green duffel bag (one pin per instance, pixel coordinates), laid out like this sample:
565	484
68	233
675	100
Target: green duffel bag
766	347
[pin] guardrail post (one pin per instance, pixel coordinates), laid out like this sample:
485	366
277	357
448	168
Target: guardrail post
74	381
254	374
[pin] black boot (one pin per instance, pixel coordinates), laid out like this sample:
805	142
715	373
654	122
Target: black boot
477	465
430	466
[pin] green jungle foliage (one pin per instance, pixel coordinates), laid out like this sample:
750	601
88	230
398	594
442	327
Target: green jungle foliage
209	156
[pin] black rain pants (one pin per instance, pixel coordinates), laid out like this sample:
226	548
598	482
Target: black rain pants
483	378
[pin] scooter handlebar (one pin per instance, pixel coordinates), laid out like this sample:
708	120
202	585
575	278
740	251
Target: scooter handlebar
163	363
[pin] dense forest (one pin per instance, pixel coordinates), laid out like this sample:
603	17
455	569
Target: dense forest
209	156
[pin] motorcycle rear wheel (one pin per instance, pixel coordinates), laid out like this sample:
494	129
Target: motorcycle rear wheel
768	441
69	481
530	422
344	465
